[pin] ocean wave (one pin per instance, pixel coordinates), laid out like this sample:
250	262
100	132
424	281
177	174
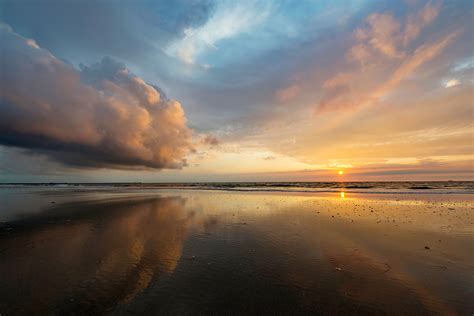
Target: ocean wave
447	187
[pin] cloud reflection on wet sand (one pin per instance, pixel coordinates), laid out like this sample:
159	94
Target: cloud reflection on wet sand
97	261
196	251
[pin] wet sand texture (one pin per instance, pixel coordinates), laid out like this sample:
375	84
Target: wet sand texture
191	252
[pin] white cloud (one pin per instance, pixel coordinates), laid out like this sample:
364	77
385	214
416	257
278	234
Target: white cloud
451	83
229	20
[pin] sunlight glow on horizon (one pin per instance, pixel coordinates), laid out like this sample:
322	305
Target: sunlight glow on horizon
190	93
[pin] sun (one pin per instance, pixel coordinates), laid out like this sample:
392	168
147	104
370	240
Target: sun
340	172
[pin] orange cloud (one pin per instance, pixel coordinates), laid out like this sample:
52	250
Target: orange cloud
99	116
379	50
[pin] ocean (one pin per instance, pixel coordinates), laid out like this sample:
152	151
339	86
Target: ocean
386	187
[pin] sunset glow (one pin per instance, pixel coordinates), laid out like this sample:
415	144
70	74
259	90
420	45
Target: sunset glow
243	91
247	157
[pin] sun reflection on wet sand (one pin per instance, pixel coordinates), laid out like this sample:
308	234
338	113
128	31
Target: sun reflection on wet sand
201	251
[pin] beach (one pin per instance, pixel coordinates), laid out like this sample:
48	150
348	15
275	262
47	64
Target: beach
192	250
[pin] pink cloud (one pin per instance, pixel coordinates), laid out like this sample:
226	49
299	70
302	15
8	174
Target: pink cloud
379	59
288	93
99	116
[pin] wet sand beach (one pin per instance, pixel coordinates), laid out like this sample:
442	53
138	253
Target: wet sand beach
178	251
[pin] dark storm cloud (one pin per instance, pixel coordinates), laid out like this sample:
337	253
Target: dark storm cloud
101	116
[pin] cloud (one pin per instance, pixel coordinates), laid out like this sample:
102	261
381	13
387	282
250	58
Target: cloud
416	170
210	140
416	22
379	49
385	35
227	21
288	93
338	92
381	33
99	116
435	125
451	83
421	55
133	31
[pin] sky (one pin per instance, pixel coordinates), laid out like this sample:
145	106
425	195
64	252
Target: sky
250	90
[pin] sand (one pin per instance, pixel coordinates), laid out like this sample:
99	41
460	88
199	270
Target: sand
197	251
